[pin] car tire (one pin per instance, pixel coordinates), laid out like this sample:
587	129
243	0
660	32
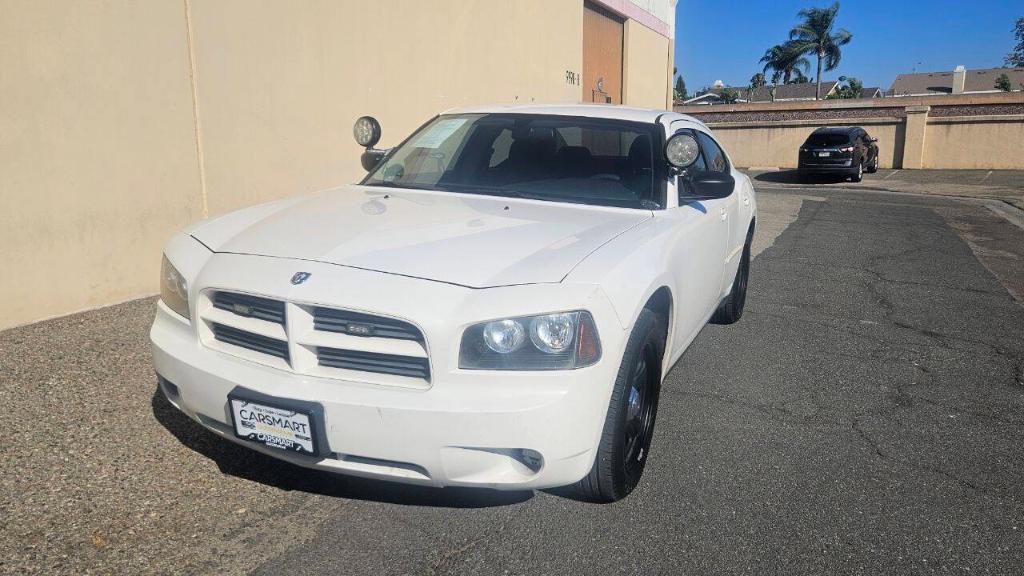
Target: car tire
873	167
859	174
730	310
629	423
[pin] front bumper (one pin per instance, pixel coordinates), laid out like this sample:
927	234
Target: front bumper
469	428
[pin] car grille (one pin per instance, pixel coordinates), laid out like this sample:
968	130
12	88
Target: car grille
315	340
373	362
250	341
250	306
346	322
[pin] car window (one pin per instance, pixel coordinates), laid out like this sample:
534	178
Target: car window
827	139
545	157
713	155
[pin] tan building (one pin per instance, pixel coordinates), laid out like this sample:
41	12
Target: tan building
125	121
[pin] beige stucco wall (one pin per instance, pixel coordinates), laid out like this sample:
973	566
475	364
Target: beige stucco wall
646	70
124	121
98	161
776	144
988	143
280	83
913	132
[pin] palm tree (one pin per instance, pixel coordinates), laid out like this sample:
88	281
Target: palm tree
783	61
814	36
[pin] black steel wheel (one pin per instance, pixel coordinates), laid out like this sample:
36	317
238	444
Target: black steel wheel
629	423
730	310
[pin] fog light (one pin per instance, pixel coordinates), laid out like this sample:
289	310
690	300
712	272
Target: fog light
168	388
531	459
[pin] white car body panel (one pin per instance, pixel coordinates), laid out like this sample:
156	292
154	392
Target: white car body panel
443	262
465	239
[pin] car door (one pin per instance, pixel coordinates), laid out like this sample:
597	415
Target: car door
697	250
729	208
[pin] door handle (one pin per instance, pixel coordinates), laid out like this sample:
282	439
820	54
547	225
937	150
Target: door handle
724	213
746	199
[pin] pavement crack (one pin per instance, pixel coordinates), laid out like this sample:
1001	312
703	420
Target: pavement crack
866	437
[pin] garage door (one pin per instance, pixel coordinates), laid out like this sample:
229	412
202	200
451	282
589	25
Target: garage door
602	55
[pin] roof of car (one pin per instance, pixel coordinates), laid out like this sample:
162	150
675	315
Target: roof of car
836	130
588	110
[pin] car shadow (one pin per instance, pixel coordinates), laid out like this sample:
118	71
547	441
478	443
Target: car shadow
254	466
793	177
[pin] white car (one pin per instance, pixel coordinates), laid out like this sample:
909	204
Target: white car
494	305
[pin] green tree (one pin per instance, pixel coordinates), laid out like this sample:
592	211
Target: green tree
815	36
757	80
680	89
1003	83
798	78
728	95
850	88
1015	59
784	61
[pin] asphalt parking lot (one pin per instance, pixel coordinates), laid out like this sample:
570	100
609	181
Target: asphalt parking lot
865	416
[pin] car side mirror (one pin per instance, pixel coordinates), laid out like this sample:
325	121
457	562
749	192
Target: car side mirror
371	158
707	185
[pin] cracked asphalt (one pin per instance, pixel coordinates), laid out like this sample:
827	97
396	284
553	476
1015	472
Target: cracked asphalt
865	416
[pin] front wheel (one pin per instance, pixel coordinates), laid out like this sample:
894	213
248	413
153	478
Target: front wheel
873	167
730	310
629	424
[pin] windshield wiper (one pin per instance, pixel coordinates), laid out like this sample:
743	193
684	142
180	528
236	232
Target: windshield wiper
386	184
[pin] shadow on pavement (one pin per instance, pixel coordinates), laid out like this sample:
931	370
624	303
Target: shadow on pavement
793	177
256	467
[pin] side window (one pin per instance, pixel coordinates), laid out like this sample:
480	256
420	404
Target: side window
714	156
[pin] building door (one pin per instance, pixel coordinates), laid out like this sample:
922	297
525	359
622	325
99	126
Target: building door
602	55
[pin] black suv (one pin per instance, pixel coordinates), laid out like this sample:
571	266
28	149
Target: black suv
848	151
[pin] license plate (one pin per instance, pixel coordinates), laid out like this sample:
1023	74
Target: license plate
272	426
824	154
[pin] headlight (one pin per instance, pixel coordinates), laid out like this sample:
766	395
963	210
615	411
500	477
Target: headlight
560	341
173	288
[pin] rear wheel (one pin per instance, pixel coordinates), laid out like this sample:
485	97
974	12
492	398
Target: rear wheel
629	423
859	174
731	309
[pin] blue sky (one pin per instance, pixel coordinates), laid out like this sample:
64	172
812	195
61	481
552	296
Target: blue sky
722	40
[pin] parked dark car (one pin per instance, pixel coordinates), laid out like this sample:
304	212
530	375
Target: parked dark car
846	151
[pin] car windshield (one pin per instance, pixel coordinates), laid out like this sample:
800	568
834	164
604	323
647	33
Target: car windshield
544	157
827	139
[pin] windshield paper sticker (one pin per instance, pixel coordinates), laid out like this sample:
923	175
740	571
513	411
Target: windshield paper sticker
439	132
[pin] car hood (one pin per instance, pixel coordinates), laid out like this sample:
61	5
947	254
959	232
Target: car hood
469	240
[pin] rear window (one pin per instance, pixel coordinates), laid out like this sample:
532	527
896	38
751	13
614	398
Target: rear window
827	140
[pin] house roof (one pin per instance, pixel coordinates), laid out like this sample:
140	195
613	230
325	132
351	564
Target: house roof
801	91
874	92
981	80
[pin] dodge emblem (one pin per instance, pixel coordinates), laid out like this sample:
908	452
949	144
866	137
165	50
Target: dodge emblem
300	277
